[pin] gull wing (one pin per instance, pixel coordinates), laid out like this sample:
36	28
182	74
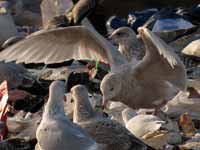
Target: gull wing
62	44
160	62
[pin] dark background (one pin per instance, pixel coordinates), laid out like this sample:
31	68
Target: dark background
121	8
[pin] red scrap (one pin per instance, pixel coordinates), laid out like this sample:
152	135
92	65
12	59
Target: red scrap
3	108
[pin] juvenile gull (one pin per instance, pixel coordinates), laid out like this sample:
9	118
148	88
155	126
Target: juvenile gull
149	83
56	131
128	43
159	70
61	44
103	130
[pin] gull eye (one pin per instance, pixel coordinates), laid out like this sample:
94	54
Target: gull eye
111	89
72	100
119	34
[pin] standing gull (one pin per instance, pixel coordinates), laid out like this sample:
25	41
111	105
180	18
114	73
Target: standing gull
103	130
149	83
56	131
128	43
159	70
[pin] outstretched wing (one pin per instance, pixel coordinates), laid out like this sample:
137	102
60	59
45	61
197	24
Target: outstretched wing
61	44
160	63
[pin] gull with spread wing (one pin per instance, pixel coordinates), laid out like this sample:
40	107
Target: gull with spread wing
146	84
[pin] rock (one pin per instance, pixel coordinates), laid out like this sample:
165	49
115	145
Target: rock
153	131
169	25
17	144
192	49
138	18
192	144
183	41
147	129
182	103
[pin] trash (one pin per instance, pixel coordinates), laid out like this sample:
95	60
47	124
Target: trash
147	128
3	109
168	25
193	49
184	102
139	18
187	125
192	144
48	52
17	144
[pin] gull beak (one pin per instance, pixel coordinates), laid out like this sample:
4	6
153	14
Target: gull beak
110	37
141	30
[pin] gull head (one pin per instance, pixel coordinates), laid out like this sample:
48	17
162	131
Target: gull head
55	103
79	91
110	87
123	35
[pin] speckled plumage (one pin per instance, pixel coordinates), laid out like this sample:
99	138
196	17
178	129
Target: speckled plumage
103	130
128	44
132	84
149	83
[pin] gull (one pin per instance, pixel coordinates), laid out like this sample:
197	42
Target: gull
129	44
103	130
149	83
56	131
146	84
55	13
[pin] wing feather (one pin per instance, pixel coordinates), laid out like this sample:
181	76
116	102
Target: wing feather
61	44
160	62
